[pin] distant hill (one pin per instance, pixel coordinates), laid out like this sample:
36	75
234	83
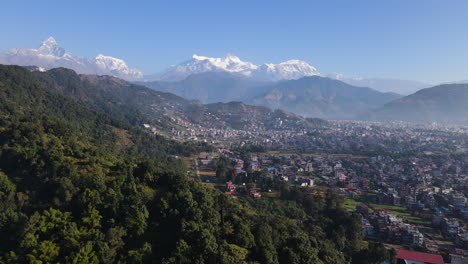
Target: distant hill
210	87
446	103
322	97
140	105
242	116
310	96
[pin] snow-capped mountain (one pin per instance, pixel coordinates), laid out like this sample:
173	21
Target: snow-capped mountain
50	47
201	64
50	55
288	70
292	69
116	67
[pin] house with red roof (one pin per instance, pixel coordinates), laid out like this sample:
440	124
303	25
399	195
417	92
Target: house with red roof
413	257
230	187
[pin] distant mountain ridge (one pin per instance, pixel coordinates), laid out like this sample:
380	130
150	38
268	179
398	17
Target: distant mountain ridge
322	97
50	55
291	69
140	105
312	96
211	87
447	103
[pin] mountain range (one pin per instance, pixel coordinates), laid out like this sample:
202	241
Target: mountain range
293	86
291	69
316	96
140	105
50	55
326	98
212	87
312	96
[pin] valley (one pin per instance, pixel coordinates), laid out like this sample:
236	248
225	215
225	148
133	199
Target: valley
220	160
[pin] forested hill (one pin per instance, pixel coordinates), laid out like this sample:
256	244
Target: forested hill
80	186
23	96
138	104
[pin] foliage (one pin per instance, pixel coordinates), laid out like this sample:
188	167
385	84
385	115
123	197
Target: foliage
72	192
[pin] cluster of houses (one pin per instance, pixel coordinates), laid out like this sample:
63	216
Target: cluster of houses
421	185
230	188
382	225
433	187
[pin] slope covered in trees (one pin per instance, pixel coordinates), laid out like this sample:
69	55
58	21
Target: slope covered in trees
80	186
139	105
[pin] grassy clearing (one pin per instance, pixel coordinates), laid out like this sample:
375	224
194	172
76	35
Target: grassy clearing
188	161
350	204
207	172
273	194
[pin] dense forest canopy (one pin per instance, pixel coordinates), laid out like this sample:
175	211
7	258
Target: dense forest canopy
81	183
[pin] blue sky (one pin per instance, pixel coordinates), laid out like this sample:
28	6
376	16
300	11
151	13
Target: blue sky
409	39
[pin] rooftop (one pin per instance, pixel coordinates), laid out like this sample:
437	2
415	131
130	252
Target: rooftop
419	256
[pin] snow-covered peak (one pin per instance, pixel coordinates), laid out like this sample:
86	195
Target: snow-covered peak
199	58
291	69
201	64
110	62
50	41
293	62
51	47
50	55
233	58
229	57
229	63
117	67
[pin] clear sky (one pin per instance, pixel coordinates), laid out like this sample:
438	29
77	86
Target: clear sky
420	40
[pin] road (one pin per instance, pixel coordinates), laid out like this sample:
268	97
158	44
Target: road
197	169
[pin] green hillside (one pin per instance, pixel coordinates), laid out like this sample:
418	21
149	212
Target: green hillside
78	185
